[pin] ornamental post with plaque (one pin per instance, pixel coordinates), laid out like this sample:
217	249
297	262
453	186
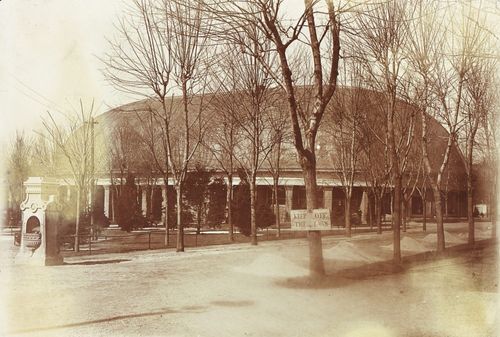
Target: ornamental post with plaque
40	222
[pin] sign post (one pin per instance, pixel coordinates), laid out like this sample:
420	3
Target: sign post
315	220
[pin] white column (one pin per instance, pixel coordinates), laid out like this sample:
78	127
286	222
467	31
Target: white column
328	197
288	200
106	200
144	203
364	208
164	201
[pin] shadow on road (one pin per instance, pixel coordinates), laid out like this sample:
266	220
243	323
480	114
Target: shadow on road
232	303
85	263
348	276
162	311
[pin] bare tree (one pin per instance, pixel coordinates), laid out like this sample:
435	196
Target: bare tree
155	135
383	34
490	145
73	140
411	179
344	137
478	100
373	159
345	130
46	153
121	159
163	52
247	84
421	188
443	63
322	40
188	43
377	178
222	139
139	62
18	170
279	137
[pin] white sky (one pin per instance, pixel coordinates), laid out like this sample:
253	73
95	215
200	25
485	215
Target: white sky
48	58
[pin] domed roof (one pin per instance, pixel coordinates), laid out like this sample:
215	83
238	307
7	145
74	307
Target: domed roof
132	123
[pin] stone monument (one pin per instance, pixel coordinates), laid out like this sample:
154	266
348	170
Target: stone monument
40	222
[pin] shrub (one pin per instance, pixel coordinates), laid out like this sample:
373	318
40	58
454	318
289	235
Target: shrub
264	214
128	212
216	211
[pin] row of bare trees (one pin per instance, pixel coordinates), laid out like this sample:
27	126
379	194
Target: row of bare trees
167	49
249	51
218	75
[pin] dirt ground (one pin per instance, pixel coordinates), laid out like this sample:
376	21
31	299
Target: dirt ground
241	290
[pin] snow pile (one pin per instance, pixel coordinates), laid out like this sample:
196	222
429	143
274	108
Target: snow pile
448	238
409	244
479	234
452	238
273	266
347	251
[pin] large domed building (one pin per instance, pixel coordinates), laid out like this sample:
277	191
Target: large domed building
124	137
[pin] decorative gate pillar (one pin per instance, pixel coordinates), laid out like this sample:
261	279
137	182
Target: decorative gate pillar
40	222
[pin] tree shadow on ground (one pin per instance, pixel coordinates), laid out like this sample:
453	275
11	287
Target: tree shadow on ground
93	262
346	277
232	303
192	309
159	312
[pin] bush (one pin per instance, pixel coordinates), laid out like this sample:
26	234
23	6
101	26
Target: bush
241	208
264	214
128	215
216	202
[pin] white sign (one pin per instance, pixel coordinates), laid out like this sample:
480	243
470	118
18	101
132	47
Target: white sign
317	220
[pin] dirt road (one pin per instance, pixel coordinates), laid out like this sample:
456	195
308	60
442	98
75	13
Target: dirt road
257	291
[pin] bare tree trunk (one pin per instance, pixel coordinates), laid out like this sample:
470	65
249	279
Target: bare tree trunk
370	213
396	219
470	205
439	218
494	206
347	215
403	213
180	227
424	211
198	220
435	183
378	214
229	202
165	218
494	217
470	201
316	265
252	209
167	229
77	220
446	214
276	206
